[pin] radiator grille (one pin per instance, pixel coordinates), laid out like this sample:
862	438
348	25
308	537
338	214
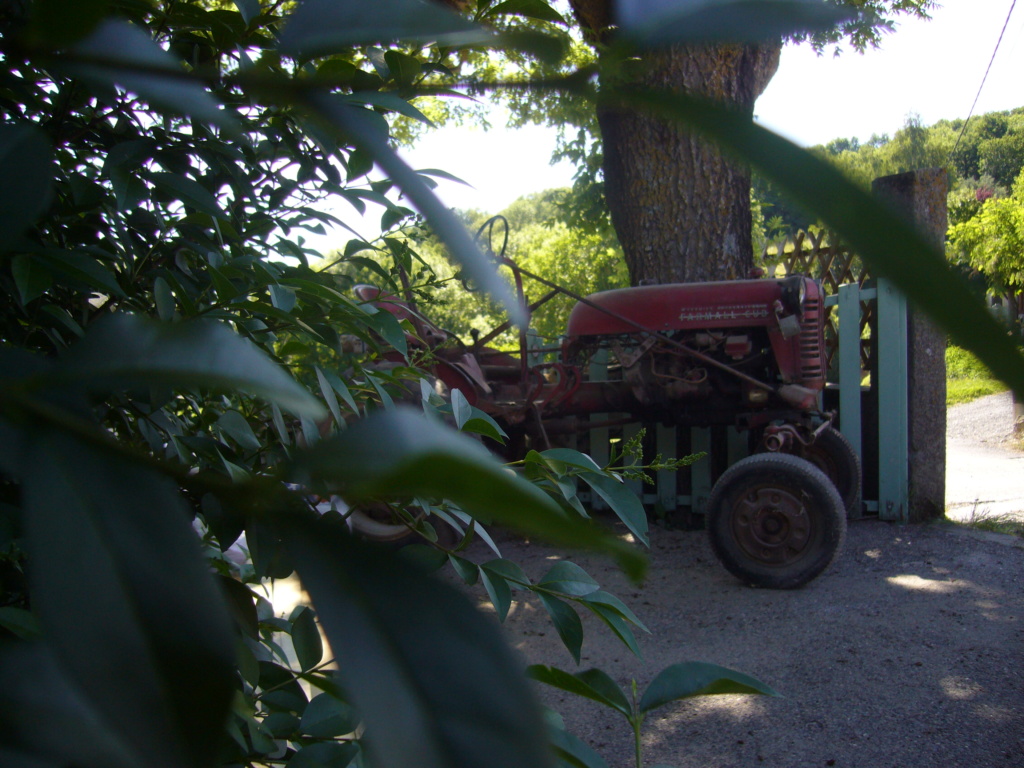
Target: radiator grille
812	346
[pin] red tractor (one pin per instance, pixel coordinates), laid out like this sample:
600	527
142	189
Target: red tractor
747	354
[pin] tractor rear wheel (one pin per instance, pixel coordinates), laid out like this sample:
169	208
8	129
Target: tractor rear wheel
775	521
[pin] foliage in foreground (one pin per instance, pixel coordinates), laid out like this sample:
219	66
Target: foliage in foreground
162	162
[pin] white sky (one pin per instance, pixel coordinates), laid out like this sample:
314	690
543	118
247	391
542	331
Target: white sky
932	68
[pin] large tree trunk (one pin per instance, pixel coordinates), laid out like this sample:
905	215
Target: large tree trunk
681	211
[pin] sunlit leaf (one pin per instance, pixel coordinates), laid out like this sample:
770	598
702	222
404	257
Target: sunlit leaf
696	678
428	661
531	9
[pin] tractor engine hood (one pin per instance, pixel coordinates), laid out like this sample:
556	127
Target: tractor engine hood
691	306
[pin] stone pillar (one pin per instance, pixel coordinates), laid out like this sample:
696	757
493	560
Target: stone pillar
921	197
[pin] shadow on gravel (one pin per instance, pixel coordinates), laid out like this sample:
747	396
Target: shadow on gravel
908	652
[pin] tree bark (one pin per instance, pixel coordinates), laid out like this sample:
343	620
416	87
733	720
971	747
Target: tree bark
681	210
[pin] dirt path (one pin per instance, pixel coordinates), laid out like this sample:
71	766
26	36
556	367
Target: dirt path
984	471
909	652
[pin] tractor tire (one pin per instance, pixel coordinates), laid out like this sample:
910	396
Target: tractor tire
832	453
775	521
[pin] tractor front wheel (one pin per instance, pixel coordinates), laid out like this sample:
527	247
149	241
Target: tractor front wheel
775	521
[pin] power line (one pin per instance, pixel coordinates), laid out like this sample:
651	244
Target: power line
987	70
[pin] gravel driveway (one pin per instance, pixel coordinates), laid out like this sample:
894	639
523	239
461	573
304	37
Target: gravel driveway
908	653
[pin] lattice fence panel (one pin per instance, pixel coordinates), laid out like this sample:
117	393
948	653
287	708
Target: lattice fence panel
822	256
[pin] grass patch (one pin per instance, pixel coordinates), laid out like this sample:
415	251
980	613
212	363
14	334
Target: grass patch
966	390
1009	524
967	379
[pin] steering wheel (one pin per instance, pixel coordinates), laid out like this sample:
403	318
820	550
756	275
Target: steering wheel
485	240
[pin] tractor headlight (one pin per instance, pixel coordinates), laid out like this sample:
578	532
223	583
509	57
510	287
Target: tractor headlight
794	294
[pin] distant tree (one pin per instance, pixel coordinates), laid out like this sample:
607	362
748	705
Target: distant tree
992	241
1002	158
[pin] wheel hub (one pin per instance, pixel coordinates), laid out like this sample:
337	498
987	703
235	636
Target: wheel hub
772	526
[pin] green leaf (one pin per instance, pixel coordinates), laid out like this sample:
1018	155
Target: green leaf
531	9
461	409
572	458
59	23
592	684
359	124
26	165
696	678
402	453
250	9
323	27
613	619
309	649
47	720
567	623
234	424
122	351
499	593
19	622
389	329
30	277
468	571
164	299
674	22
329	396
339	386
623	501
190	192
387	100
329	754
282	298
121	52
428	662
612	603
573	751
482	424
508	570
568	578
143	606
83	268
890	246
326	717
